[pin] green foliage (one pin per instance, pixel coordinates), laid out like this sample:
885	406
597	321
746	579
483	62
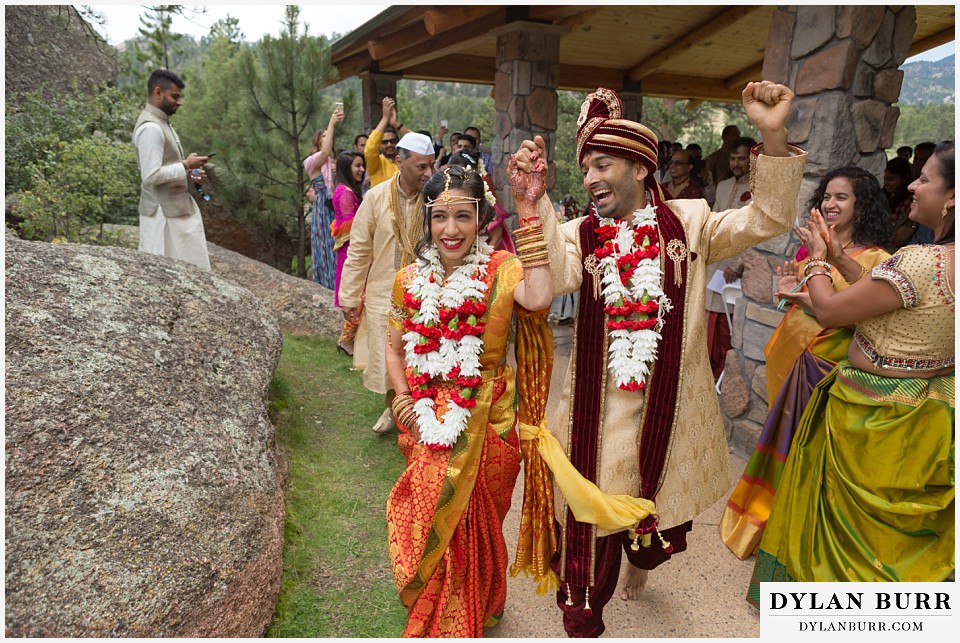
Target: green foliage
671	120
36	127
421	105
927	122
281	80
161	40
70	164
569	178
90	182
336	569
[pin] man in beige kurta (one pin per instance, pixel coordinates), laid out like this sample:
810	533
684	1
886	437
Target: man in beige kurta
170	221
694	469
387	227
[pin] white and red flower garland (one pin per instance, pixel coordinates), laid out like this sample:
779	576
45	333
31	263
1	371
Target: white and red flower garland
442	339
629	260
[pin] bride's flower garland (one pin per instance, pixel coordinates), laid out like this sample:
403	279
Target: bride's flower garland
629	260
442	339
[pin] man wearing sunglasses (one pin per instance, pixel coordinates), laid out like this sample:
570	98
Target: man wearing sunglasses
381	148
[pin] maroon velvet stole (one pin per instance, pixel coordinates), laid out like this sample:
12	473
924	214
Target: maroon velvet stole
661	391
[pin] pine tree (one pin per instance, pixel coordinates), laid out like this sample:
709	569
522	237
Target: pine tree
156	27
283	79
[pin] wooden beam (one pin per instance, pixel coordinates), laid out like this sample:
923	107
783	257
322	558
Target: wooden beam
397	41
586	78
354	65
556	13
413	15
937	39
446	43
456	68
440	19
576	21
739	80
686	42
690	87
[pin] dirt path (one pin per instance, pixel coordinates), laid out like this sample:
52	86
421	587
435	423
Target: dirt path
700	593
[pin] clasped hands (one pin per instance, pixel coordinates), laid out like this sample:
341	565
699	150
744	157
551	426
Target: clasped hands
527	171
821	244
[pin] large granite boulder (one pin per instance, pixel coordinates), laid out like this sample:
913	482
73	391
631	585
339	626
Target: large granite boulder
144	487
302	307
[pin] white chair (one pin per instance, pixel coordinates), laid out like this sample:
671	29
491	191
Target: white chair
730	294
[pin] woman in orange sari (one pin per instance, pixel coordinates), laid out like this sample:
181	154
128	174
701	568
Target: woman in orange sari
457	407
801	352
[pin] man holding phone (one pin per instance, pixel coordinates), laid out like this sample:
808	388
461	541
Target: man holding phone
170	221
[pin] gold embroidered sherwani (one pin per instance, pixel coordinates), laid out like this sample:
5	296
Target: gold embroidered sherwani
373	259
696	471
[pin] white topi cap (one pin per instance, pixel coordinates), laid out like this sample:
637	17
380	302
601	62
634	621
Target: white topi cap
416	143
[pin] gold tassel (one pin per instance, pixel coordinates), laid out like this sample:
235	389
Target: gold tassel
586	601
569	596
635	546
664	543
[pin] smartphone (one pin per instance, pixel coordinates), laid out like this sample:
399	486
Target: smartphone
339	106
443	123
210	155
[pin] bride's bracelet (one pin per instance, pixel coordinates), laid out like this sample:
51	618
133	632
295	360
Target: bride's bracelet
532	246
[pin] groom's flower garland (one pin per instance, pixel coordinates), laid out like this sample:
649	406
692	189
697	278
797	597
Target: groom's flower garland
442	339
629	260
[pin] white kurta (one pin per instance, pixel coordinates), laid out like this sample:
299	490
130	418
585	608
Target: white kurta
373	259
696	471
175	237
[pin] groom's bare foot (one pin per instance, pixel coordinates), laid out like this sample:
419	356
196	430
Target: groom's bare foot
632	581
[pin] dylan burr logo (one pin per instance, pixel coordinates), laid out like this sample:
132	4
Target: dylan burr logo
857	610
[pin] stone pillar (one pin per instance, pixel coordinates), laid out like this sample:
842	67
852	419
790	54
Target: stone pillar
525	95
632	99
375	87
842	62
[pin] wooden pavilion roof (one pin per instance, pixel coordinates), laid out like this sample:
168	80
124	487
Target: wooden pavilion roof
689	52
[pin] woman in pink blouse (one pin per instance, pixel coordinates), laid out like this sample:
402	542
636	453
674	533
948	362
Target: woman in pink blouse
347	196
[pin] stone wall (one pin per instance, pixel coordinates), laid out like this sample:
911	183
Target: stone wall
524	96
842	62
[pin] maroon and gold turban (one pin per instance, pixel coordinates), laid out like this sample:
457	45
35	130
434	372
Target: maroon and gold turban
601	126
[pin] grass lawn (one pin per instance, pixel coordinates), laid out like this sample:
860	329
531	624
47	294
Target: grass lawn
336	570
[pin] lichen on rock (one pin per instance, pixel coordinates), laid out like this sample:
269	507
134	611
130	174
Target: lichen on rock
143	484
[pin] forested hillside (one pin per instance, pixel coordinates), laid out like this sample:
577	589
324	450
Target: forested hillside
929	82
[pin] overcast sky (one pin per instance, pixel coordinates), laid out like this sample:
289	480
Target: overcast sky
256	20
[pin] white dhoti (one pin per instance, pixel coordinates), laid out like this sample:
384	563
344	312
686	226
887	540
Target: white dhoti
180	238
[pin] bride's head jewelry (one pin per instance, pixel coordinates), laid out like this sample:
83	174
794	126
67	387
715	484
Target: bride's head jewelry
445	198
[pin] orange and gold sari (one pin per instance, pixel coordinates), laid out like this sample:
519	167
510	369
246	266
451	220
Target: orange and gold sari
445	514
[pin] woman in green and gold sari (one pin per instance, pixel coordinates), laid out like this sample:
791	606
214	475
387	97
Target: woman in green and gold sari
867	493
801	352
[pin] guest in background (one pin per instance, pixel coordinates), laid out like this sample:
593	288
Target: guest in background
896	178
801	351
319	167
346	199
867	493
359	142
